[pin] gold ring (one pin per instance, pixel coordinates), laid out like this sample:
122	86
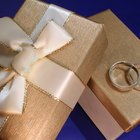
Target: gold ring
124	87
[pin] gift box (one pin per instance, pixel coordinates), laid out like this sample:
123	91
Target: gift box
44	114
114	112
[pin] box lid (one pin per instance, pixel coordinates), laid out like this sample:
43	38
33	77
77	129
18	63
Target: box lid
123	45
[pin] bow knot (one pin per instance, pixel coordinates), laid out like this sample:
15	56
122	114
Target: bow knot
23	61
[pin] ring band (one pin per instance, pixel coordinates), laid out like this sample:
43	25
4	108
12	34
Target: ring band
124	87
137	87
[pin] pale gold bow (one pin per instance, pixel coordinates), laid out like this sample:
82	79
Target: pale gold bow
13	79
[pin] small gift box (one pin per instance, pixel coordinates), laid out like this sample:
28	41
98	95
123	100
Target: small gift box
47	57
114	112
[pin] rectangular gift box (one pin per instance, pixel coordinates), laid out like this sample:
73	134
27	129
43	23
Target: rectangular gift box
114	112
44	117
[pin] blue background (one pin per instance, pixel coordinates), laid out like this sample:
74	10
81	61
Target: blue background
78	125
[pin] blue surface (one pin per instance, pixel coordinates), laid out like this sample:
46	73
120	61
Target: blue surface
79	126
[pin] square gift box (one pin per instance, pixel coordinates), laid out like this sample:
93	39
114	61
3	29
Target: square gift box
113	112
44	115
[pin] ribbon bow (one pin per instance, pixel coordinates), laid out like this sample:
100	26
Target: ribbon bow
13	78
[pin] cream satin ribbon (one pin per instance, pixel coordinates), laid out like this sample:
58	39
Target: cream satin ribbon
52	38
54	13
31	64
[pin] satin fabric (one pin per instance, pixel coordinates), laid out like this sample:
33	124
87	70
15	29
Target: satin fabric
28	64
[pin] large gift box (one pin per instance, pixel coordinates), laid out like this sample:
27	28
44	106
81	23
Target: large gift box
47	55
113	112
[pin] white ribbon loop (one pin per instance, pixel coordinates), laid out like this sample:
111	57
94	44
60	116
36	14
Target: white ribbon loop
12	35
12	96
52	38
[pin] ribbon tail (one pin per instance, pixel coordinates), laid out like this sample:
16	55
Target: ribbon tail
12	96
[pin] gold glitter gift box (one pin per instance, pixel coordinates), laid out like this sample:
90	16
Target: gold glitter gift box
44	116
114	112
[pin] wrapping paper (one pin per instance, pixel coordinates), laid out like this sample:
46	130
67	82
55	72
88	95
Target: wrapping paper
44	117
